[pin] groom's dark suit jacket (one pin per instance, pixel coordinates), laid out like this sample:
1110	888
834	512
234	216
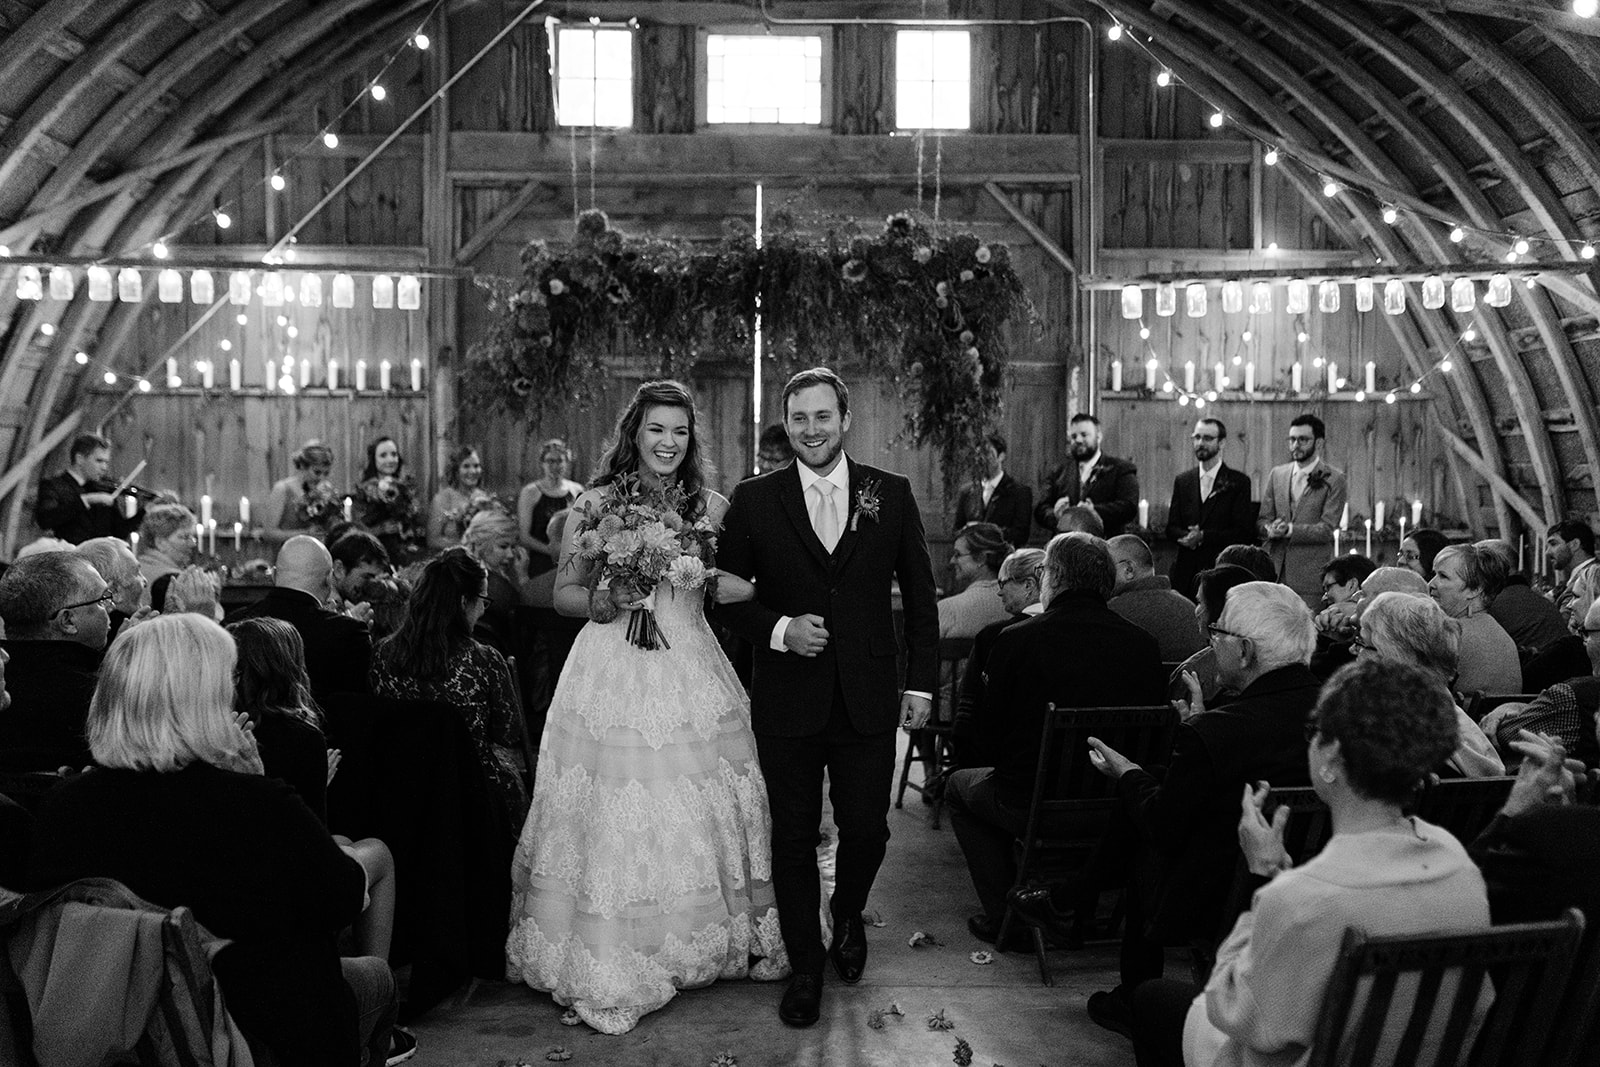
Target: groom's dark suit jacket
767	536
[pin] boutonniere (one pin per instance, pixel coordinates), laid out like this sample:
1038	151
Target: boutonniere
868	501
1317	478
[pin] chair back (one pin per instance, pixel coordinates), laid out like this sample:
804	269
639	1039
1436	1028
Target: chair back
1464	806
1426	1001
953	654
1066	781
1480	703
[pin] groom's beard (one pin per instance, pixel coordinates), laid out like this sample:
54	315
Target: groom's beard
827	452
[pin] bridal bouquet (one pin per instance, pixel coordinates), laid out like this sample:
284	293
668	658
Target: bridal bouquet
635	538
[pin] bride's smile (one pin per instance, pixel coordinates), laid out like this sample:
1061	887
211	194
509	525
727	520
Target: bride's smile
663	440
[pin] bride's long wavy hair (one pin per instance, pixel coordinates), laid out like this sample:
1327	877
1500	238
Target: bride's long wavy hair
622	451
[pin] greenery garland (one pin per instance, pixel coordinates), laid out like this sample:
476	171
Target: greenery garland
926	312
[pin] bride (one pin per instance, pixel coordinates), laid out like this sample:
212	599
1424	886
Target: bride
644	866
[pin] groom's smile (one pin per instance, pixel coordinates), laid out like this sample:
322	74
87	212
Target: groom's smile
816	427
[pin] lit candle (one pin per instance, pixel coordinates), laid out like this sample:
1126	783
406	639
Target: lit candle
208	376
1150	375
361	375
383	376
1378	520
1116	375
199	534
1369	538
349	510
1522	544
272	375
1144	514
1344	517
235	375
1333	377
305	372
211	528
238	536
172	371
1296	378
1219	377
1336	544
1372	376
416	375
333	374
205	508
130	506
1416	513
133	541
1402	523
1250	377
244	510
1188	377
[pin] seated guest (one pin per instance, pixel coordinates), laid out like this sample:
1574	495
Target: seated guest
358	560
57	612
1566	658
975	558
1076	653
195	590
180	813
1147	600
433	657
1341	593
338	648
492	539
1419	550
997	497
44	544
1465	579
1398	628
1532	621
1563	712
1378	728
167	542
1020	577
115	562
1253	558
1175	844
1079	519
1211	589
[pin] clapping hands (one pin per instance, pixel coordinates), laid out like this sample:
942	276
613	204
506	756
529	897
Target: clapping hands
247	760
1188	709
1261	840
1108	761
1546	776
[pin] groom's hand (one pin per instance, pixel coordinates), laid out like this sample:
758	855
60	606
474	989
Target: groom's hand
915	711
805	635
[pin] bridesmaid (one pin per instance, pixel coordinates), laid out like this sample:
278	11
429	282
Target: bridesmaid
386	502
305	501
454	503
541	499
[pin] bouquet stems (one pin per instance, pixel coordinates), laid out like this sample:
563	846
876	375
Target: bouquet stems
644	632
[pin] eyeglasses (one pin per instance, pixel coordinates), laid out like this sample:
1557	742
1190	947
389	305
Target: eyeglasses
1216	631
1208	438
1007	581
1587	631
104	598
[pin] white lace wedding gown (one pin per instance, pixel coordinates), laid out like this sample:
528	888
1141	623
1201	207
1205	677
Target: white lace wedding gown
645	864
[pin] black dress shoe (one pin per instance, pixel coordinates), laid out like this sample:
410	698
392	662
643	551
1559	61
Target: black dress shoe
802	1001
849	949
1112	1011
1035	907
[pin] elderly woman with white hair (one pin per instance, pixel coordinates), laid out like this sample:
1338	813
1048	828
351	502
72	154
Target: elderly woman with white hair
1465	580
180	813
167	543
491	537
1400	628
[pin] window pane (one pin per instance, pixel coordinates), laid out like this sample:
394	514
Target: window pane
950	108
576	52
613	53
952	54
933	84
577	103
913	107
914	56
613	103
763	79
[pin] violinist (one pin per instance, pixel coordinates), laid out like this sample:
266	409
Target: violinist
80	502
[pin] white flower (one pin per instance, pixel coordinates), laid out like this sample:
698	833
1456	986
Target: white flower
686	572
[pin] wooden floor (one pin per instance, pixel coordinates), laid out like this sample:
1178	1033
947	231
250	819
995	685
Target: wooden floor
1001	1010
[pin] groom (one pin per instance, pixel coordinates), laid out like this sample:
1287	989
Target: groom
824	538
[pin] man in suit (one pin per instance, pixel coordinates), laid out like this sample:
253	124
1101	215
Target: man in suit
824	539
1105	483
1301	508
1210	508
77	503
338	647
998	498
1079	653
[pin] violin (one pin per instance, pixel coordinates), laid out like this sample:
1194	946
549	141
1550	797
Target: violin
116	488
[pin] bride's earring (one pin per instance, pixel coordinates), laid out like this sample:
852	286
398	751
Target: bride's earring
1325	772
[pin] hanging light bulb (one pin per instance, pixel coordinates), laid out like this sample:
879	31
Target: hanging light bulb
62	283
202	287
144	385
378	92
1390	398
1391	214
421	41
1232	296
1144	333
330	139
48	329
278	182
1457	235
1216	120
1499	293
1585	9
1330	188
99	279
223	219
1445	365
1521	246
1271	158
1587	251
109	378
1416	387
1132	302
1114	32
1469	334
1511	256
1164	79
159	250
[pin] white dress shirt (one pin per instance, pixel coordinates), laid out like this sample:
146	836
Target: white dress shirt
989	486
1208	478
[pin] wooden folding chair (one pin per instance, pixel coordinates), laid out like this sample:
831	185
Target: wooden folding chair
1417	1001
1067	785
1309	828
939	759
1464	806
1480	703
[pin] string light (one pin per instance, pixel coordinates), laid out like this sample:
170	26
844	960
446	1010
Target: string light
1521	246
159	250
1216	120
1164	79
48	329
1330	188
1585	9
1271	158
279	183
378	92
82	359
1587	251
422	42
222	219
1457	235
109	378
330	139
1391	214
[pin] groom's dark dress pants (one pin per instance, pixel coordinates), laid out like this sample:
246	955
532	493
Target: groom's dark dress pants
860	769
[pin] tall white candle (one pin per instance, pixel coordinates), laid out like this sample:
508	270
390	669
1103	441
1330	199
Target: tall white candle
1150	375
235	375
1250	377
305	372
1144	513
1116	375
238	536
1372	376
272	375
199	534
1344	517
1369	538
133	541
1219	377
172	371
1188	376
361	375
349	510
244	510
1296	378
211	529
205	508
416	375
333	374
208	376
1336	544
1416	513
1333	376
383	375
1378	520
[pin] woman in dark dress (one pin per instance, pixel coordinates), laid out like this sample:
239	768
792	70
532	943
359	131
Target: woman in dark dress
178	810
539	501
386	502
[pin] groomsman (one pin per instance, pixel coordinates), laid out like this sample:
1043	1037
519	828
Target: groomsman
1105	483
998	498
1301	508
1210	508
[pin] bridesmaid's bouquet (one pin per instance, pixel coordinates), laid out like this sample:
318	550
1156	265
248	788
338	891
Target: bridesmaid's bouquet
635	538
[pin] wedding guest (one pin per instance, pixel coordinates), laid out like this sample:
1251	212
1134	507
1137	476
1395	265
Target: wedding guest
1532	621
996	497
1090	478
196	590
1569	548
1253	558
1419	549
182	815
386	503
338	648
1336	622
44	544
1148	600
57	612
1211	593
975	560
1080	518
1399	628
456	500
1021	575
305	501
1376	731
773	450
434	657
540	499
491	537
114	561
78	503
167	542
1567	657
359	561
1564	711
1464	580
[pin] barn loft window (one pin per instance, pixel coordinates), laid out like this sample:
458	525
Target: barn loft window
594	77
771	79
933	80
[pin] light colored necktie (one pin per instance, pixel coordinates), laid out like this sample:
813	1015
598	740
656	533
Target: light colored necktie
1297	485
1206	482
825	514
